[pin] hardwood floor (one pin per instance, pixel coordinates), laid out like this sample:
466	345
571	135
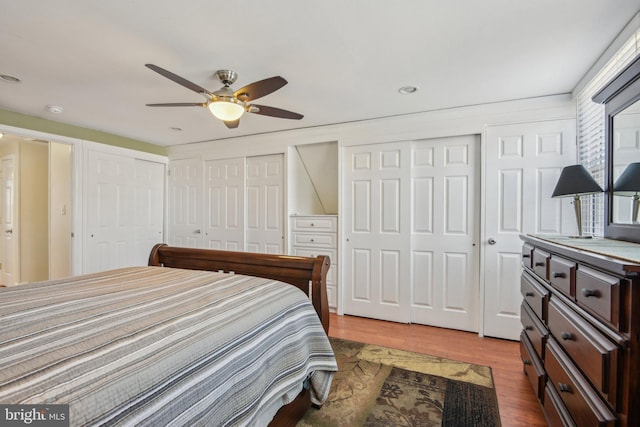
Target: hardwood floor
516	400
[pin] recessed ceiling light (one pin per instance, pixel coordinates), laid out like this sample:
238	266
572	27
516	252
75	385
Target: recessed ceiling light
55	109
9	79
405	90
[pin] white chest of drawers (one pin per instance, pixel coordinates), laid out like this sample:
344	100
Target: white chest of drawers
313	235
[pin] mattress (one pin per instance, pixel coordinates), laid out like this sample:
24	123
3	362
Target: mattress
162	346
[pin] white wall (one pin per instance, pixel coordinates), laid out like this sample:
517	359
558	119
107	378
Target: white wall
313	179
61	208
301	196
471	120
34	211
442	123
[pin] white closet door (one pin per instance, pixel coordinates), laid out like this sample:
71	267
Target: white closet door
376	218
185	201
148	215
9	227
265	204
522	164
109	212
445	225
124	211
224	183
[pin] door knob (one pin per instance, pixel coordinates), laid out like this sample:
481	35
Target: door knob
491	241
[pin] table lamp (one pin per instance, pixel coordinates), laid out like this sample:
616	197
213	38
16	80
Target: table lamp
628	184
574	181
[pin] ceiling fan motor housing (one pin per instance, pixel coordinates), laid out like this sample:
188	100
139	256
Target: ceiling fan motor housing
227	77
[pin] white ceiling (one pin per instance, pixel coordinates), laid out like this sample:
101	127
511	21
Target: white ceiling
344	60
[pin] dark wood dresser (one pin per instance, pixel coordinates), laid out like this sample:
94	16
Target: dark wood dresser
580	343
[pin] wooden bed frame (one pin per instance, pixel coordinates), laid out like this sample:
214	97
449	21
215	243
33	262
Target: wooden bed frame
301	272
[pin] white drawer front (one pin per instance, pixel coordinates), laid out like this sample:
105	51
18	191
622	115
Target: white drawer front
311	252
317	223
325	240
332	275
332	297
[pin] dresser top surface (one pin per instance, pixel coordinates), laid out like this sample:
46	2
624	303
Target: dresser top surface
615	251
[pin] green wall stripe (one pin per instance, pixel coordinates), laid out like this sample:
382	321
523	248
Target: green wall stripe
24	121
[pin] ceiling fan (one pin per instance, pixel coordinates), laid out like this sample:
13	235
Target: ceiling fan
226	104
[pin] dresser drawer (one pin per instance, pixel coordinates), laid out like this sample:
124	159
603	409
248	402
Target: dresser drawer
315	223
541	263
589	349
325	240
562	275
535	295
581	401
554	410
527	255
599	293
534	329
532	365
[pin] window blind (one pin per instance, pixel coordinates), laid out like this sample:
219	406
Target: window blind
591	137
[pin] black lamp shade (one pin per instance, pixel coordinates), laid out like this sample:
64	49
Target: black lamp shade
575	180
629	181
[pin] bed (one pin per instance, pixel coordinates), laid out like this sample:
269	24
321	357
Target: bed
197	337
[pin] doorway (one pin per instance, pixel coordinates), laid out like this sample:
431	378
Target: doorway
35	214
525	161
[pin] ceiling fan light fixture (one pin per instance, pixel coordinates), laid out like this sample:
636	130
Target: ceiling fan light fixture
226	104
227	111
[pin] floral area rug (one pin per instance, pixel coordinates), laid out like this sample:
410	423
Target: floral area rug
379	386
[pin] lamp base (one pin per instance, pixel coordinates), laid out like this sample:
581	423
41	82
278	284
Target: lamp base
578	209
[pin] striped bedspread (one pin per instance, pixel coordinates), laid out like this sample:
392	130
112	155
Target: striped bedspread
160	346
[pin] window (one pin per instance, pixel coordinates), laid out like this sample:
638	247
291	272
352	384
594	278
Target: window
591	138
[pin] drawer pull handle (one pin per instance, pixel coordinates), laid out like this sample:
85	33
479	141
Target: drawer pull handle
526	256
526	362
540	264
529	294
566	336
564	388
559	275
590	293
311	240
312	224
528	328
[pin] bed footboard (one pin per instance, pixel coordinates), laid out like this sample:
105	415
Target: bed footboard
295	270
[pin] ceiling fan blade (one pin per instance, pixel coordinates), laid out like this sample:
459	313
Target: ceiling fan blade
232	124
179	104
259	89
181	81
274	112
